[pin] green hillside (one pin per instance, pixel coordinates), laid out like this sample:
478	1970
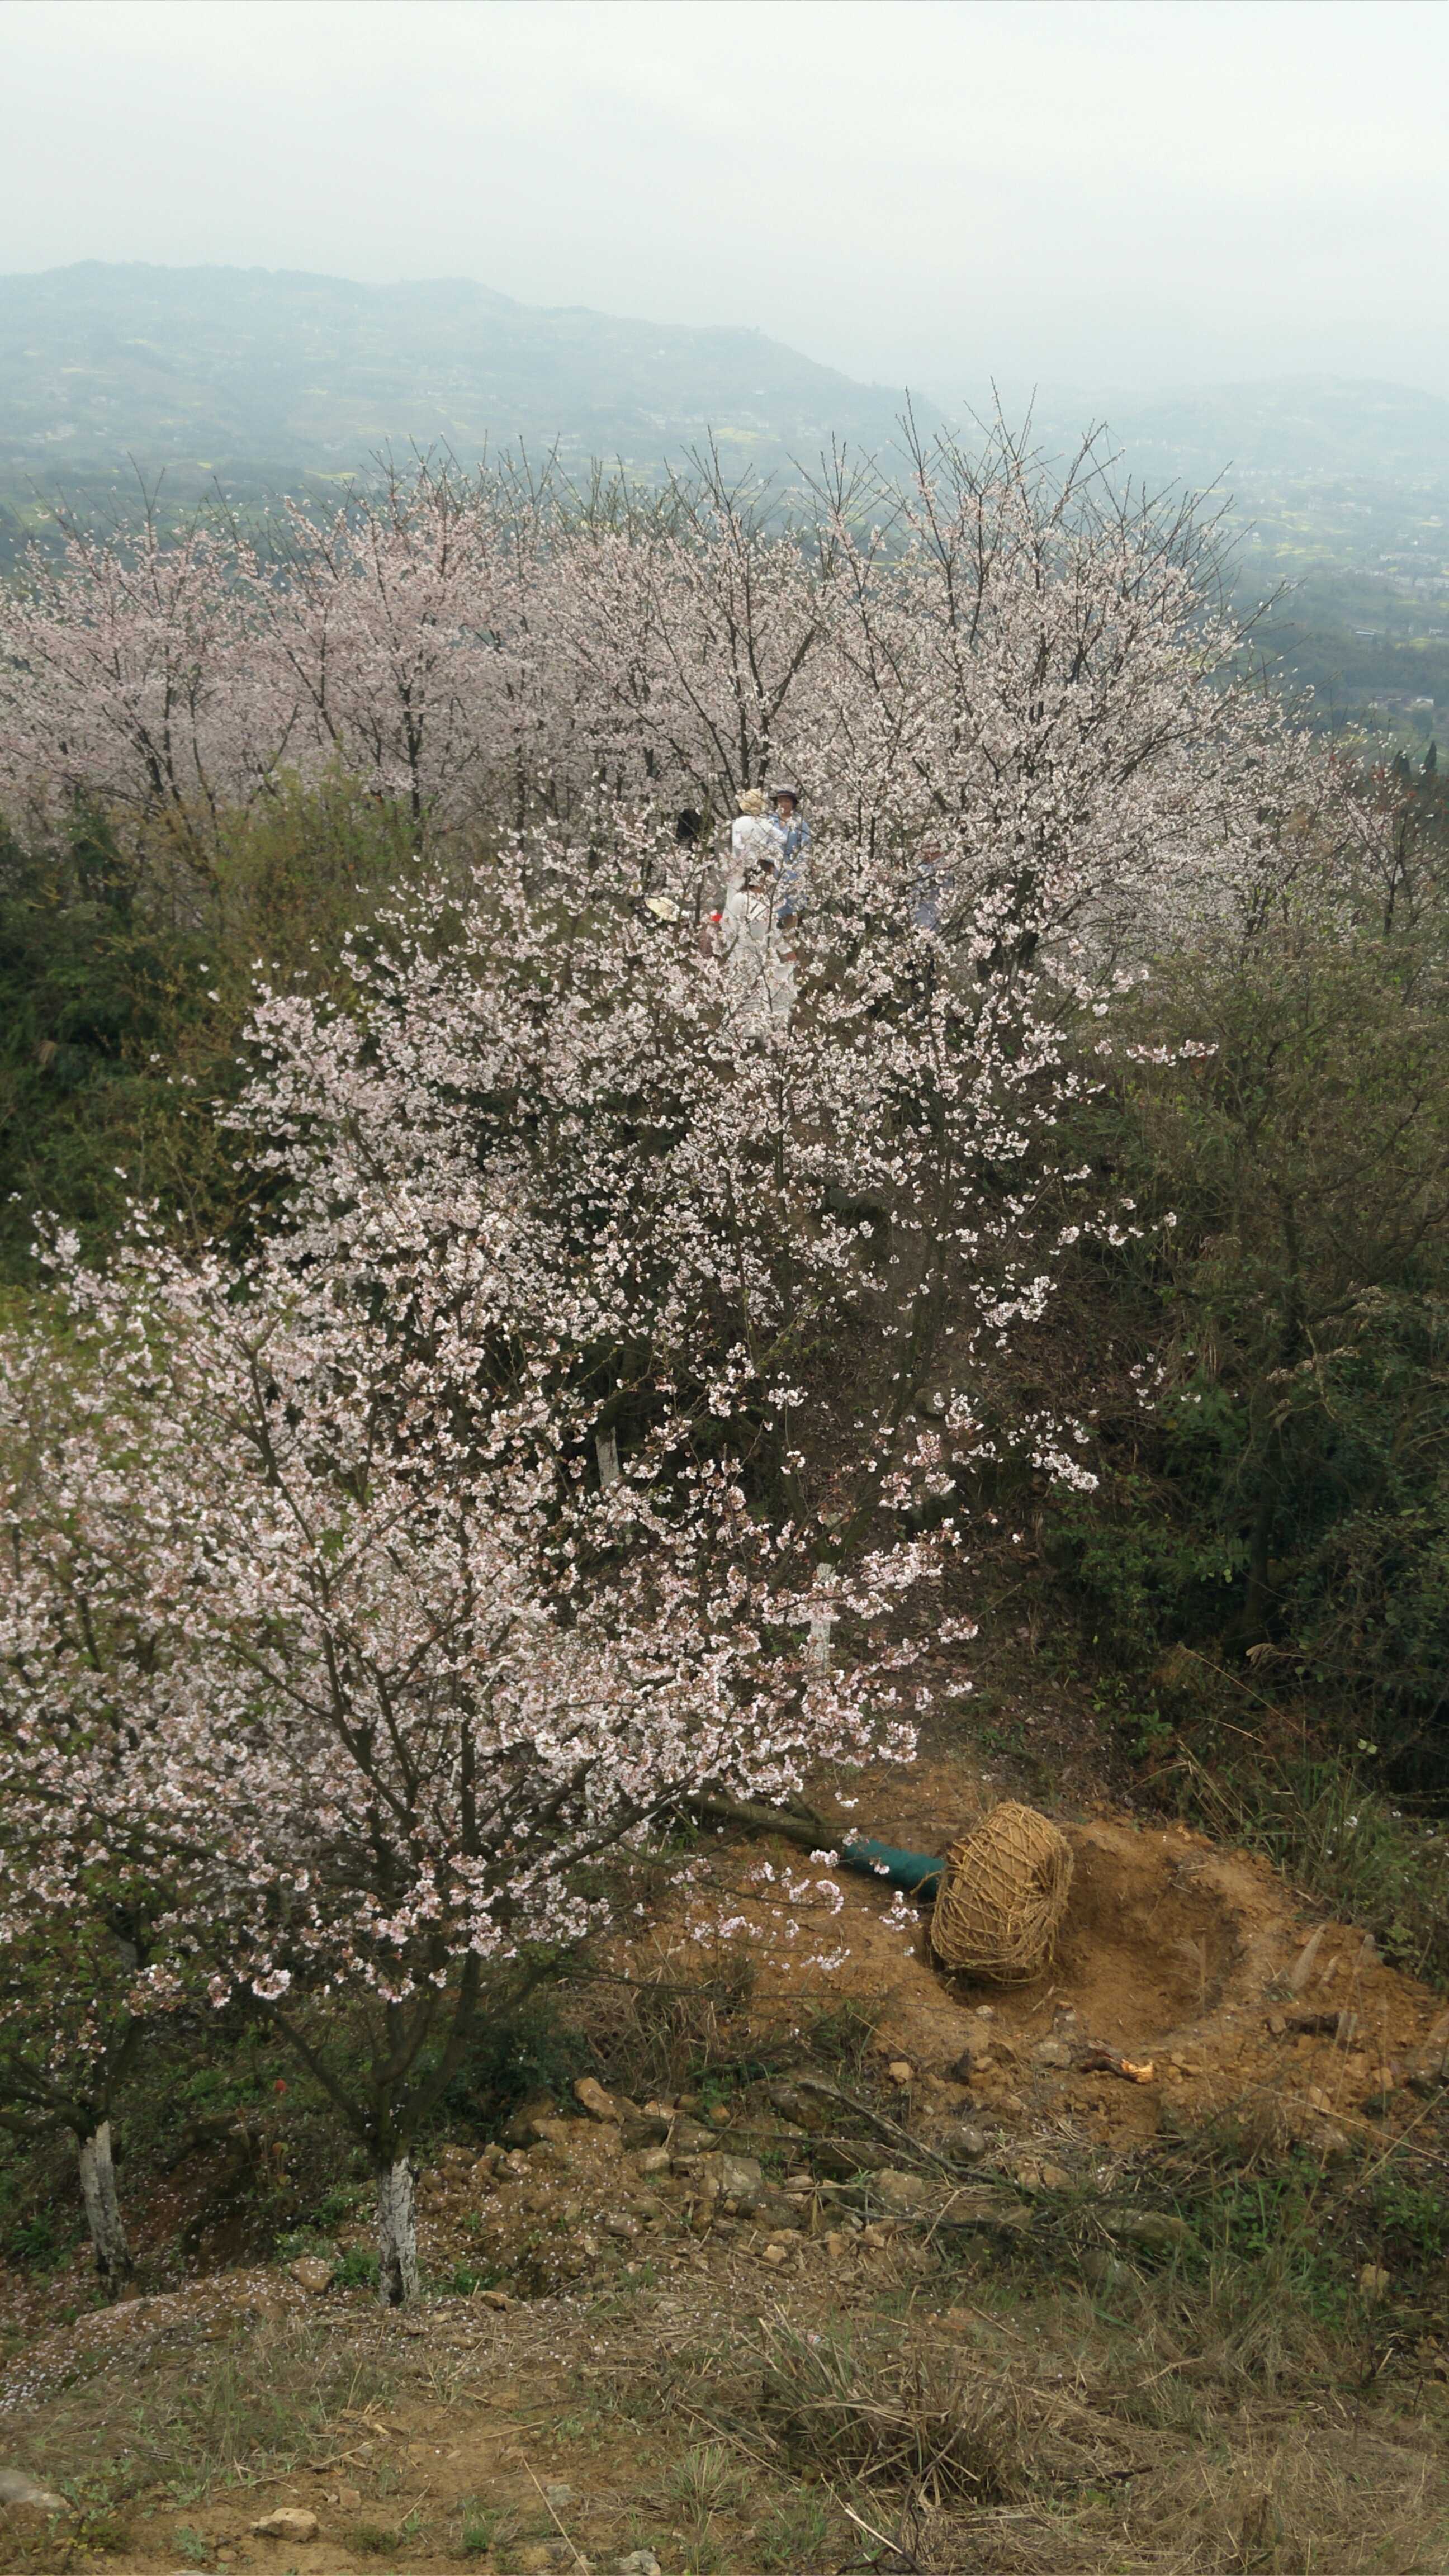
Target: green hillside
270	375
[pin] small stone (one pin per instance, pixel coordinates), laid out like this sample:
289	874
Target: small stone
289	2522
18	2488
1277	2024
1052	2052
1055	2178
591	2097
1373	2281
558	2495
654	2160
518	2130
498	2299
349	2498
900	2072
901	2191
737	2178
836	2245
1154	2228
310	2272
719	2117
640	2562
688	2138
963	2140
775	2253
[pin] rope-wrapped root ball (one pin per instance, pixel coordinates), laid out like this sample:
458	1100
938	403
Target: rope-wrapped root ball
1002	1898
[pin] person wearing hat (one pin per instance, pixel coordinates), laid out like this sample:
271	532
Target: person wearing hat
793	833
754	838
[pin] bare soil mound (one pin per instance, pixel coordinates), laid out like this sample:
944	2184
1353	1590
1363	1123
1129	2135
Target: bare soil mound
1175	1955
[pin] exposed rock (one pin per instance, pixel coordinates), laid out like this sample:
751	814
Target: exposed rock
289	2522
737	2178
843	2157
311	2272
984	2208
903	2191
959	2138
18	2488
1052	2052
591	2097
688	2138
646	2128
1155	2228
640	2562
900	2072
549	2155
519	2130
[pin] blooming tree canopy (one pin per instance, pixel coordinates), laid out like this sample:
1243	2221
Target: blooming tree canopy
637	1299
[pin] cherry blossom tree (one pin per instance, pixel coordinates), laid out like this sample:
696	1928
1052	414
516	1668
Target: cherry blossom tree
392	628
1026	671
81	1986
130	677
299	1638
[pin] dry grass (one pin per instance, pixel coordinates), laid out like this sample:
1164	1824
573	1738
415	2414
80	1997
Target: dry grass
914	2422
218	2401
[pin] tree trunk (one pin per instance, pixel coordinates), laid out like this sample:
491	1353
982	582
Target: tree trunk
397	2235
103	2210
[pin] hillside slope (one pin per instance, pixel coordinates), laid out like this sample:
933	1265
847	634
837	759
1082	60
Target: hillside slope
267	371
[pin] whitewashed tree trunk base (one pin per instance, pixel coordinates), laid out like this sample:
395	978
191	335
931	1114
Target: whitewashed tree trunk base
103	2209
397	2235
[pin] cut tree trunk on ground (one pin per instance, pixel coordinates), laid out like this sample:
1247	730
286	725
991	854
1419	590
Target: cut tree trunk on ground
397	2235
103	2209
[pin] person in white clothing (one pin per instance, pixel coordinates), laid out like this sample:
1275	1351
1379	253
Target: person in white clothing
762	974
754	839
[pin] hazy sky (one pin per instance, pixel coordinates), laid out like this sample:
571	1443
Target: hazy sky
922	190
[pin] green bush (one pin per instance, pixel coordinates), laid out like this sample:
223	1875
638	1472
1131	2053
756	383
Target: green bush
1270	1355
126	977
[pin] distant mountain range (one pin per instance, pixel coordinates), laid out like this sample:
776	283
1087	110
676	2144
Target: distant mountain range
269	374
266	377
1346	428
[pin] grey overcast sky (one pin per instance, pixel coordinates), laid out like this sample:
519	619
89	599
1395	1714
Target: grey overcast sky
935	191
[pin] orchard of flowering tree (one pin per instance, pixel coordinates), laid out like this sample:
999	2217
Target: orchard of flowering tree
420	1499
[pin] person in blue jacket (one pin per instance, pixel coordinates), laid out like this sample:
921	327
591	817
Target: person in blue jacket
793	833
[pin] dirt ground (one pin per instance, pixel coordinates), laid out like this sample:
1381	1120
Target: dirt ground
1175	1954
722	2331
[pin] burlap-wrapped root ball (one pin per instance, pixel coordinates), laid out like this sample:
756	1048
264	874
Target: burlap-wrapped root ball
1003	1896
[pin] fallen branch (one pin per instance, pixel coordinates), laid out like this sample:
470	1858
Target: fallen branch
877	2119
